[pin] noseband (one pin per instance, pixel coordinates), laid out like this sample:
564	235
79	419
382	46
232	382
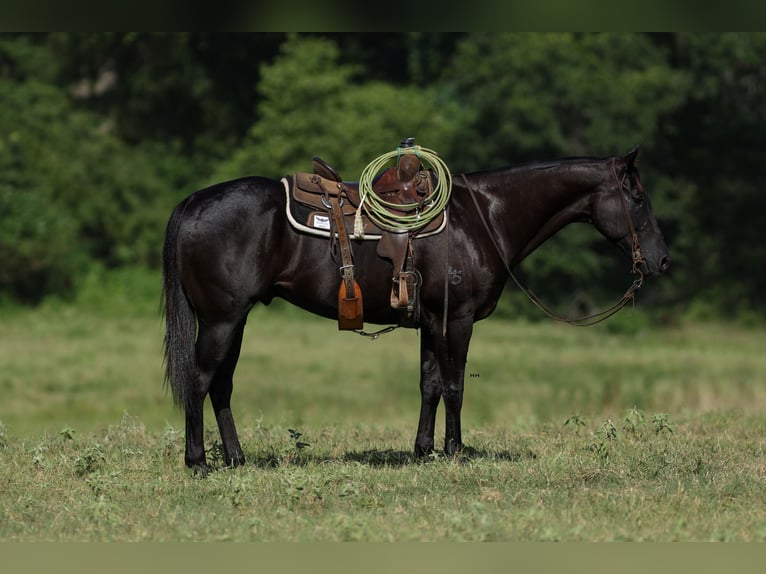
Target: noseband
588	320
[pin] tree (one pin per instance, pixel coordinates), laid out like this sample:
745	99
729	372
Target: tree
313	105
36	238
70	191
197	89
535	96
715	152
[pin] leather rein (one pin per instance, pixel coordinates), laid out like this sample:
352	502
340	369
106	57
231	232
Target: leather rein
587	320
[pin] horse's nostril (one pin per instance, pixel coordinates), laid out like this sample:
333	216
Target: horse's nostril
664	263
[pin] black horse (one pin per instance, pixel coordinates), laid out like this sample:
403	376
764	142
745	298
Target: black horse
229	246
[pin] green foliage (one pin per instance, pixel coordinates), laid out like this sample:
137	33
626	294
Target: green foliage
576	421
718	135
195	89
71	192
37	239
633	422
661	423
296	437
604	437
101	134
314	105
542	95
89	460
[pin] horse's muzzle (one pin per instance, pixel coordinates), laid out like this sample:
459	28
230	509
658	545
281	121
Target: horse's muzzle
653	266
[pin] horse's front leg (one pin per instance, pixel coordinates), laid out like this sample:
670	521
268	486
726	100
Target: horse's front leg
430	394
442	371
452	355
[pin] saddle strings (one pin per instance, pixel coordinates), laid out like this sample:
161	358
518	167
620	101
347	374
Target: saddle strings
585	321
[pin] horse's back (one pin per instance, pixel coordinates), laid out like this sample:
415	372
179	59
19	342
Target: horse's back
222	234
247	193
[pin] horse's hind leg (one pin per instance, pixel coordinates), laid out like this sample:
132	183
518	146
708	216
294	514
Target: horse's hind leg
214	350
220	397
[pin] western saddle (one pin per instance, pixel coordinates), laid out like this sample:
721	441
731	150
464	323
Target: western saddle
332	207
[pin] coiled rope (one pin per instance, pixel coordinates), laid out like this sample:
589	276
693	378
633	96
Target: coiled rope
417	215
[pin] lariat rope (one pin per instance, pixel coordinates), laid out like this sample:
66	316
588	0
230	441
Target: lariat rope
588	320
414	215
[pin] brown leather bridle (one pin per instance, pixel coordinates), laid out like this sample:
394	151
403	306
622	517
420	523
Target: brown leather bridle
638	258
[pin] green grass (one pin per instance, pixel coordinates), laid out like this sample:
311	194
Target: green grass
607	433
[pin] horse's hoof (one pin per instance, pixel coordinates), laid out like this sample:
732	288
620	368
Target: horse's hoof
424	452
236	461
453	448
201	470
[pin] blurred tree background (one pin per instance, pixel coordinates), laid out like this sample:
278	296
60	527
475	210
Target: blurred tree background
102	134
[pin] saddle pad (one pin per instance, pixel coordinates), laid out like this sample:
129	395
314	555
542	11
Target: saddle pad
314	222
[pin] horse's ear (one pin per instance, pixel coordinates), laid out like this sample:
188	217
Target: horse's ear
630	158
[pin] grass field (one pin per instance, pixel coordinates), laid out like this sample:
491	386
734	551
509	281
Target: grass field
609	433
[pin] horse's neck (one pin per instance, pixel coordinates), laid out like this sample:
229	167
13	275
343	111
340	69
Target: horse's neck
536	202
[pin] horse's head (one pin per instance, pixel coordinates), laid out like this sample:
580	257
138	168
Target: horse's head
623	213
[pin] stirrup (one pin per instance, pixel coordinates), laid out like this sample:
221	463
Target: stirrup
405	297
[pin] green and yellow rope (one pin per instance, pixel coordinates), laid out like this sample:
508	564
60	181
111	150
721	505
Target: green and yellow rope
376	208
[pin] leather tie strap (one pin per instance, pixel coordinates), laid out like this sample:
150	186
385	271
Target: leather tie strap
347	262
350	308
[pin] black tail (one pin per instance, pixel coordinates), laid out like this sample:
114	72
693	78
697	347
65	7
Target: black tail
180	321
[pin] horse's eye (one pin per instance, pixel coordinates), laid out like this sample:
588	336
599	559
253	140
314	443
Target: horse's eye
638	198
